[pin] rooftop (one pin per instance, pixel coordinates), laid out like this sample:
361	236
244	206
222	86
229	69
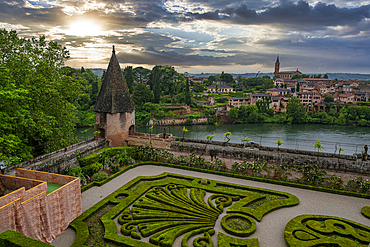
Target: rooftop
114	96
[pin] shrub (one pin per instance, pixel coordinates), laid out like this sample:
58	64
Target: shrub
115	168
89	159
100	176
96	167
76	171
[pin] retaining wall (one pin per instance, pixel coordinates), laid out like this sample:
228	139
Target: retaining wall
57	162
256	152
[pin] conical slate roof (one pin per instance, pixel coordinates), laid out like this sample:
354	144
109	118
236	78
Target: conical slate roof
114	96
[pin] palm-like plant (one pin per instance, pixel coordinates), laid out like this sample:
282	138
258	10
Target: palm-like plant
183	132
318	145
244	140
279	143
227	134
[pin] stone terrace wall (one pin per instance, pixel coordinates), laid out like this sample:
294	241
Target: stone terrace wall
176	121
231	150
142	140
58	163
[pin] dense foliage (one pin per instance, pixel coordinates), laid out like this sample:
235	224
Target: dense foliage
254	84
36	106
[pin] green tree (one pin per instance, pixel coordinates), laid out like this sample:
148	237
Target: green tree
129	78
296	112
142	94
325	76
13	119
233	113
34	68
242	114
198	87
228	78
329	99
155	78
141	74
187	93
298	87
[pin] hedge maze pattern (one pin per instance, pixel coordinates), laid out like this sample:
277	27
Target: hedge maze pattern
320	230
157	211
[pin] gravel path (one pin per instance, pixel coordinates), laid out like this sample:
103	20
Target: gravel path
269	230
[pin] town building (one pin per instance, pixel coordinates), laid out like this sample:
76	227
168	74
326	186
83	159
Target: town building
346	98
237	102
222	88
278	91
284	74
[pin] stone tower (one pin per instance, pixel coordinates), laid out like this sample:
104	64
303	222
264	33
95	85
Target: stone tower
115	111
277	66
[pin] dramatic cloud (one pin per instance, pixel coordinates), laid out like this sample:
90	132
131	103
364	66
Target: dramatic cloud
209	36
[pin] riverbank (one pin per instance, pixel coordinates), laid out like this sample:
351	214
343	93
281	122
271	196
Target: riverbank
298	137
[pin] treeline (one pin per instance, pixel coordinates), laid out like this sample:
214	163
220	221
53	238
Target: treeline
296	113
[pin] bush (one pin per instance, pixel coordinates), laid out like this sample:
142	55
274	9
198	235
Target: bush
100	176
102	154
115	168
15	239
76	171
89	159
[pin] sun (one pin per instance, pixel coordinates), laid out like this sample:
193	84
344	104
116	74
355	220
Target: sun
83	28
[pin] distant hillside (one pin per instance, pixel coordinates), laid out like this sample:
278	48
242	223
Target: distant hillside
349	76
342	76
98	72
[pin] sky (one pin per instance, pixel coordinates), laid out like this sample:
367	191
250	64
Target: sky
195	36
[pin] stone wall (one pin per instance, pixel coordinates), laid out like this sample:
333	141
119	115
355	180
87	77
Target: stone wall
142	140
258	153
176	121
58	162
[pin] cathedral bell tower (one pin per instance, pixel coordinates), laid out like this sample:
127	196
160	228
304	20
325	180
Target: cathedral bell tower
277	66
115	111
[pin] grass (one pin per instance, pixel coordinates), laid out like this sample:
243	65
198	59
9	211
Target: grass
53	186
238	223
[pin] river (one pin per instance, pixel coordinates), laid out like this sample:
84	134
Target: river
297	136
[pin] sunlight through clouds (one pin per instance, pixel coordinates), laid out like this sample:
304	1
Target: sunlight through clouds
202	34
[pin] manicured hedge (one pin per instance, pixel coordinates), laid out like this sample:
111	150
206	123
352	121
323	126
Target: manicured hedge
322	230
229	174
366	211
15	239
180	209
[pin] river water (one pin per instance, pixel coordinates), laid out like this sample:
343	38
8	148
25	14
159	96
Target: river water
297	136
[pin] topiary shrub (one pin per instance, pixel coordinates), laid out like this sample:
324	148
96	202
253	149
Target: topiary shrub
100	176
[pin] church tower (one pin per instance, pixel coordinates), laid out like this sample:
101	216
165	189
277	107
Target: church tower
277	65
115	111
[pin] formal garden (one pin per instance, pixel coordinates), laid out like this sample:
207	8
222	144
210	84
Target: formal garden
180	210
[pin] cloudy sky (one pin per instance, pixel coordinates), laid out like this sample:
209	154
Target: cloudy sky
234	36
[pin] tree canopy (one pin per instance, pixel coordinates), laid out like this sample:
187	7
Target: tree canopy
36	100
